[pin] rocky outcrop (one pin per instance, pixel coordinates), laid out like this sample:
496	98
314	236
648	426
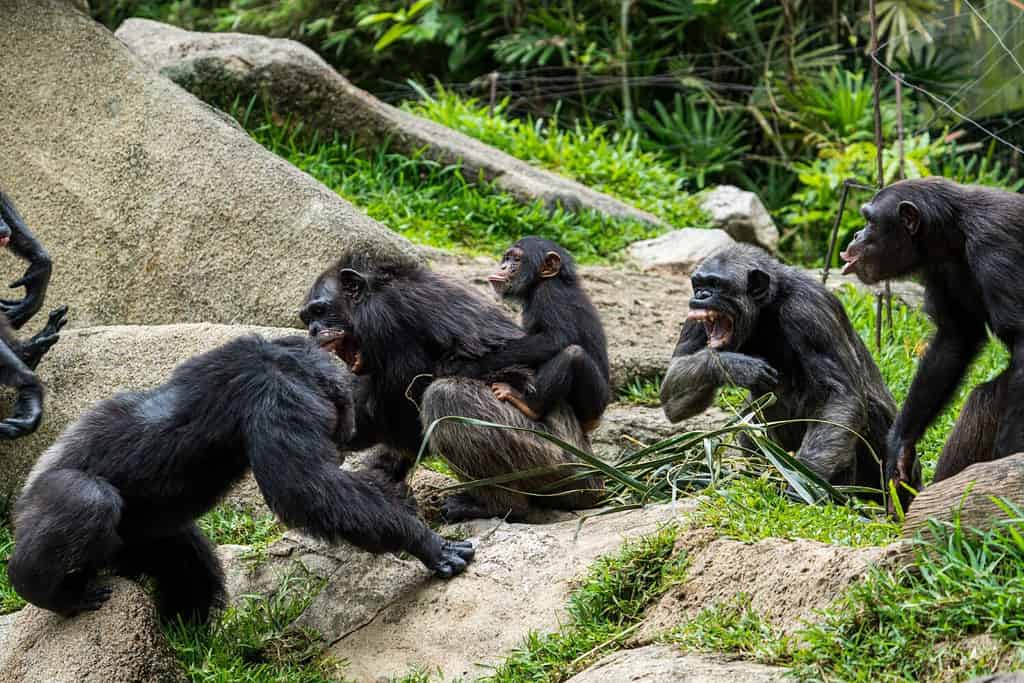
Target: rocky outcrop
680	251
969	496
386	615
119	643
742	215
297	83
155	207
626	427
787	582
666	664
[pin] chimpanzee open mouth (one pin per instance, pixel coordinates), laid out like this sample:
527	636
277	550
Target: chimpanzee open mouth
851	258
717	325
343	346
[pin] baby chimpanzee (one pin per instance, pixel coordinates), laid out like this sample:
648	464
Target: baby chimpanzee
564	339
123	486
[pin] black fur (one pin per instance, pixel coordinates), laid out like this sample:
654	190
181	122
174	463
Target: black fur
18	360
790	336
400	327
564	340
967	244
122	487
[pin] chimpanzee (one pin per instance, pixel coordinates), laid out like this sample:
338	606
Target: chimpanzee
123	486
967	244
18	360
564	339
406	332
759	324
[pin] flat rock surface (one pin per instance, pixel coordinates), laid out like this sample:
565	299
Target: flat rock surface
155	207
625	427
119	643
666	664
787	582
519	581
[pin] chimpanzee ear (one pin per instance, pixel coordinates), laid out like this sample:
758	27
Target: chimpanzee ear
910	216
759	285
551	264
353	284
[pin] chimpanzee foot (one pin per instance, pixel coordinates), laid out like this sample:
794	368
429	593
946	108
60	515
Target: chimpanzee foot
28	412
460	507
454	557
32	351
505	392
90	601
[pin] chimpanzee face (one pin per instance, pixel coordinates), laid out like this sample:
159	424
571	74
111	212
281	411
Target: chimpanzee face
328	314
884	248
727	294
526	263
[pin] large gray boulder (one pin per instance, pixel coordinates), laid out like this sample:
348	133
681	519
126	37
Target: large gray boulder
296	82
680	251
667	664
155	207
119	643
90	364
742	215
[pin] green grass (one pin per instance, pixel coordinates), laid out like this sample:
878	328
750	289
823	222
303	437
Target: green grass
434	204
750	510
10	601
227	524
605	609
611	162
641	391
733	626
255	641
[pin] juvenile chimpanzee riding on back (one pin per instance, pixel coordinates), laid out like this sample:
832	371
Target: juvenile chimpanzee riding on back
123	486
564	340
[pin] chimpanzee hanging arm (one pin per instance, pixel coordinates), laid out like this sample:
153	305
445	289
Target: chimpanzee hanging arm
16	236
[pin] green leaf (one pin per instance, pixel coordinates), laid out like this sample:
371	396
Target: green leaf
394	33
375	18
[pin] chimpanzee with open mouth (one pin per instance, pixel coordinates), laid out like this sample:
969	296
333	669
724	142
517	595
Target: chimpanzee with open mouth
767	327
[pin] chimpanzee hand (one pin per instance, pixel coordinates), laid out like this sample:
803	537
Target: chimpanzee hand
749	372
28	411
900	465
35	281
451	558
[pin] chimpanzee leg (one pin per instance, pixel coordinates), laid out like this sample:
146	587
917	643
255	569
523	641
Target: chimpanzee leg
28	407
973	438
574	376
479	453
33	350
1010	436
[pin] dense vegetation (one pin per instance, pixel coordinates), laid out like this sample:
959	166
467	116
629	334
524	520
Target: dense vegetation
771	96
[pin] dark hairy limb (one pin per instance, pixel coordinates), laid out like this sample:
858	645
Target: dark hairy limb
28	407
973	437
36	278
33	350
692	380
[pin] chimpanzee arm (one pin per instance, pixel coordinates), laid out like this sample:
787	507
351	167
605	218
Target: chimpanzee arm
696	372
529	351
956	343
292	459
36	278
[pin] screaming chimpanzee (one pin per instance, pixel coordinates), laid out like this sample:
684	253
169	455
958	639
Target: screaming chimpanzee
122	487
18	360
405	331
564	339
759	324
967	243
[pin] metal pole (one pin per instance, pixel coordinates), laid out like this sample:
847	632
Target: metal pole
876	92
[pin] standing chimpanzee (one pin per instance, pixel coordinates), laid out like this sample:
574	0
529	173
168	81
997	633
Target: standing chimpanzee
967	244
18	360
404	331
122	487
564	339
759	324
